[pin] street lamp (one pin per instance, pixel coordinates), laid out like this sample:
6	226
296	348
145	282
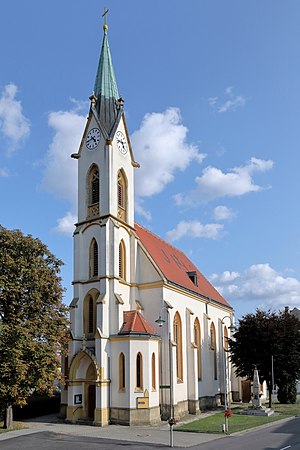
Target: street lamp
231	328
160	321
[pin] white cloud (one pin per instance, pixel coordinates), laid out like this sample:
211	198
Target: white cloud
213	183
161	148
195	229
140	209
3	172
13	124
231	104
60	174
261	284
65	225
223	213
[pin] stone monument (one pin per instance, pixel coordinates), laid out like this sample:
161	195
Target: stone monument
257	409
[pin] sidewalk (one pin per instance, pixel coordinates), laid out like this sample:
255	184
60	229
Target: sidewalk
148	434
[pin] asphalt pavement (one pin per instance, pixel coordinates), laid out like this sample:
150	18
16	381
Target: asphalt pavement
49	432
146	434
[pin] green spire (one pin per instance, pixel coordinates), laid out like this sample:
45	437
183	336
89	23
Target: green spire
105	84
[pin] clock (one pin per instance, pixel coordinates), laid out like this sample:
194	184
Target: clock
121	142
93	138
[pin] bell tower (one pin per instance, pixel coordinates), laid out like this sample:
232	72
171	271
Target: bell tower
104	243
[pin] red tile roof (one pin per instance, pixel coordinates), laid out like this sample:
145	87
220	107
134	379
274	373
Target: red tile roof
174	265
135	323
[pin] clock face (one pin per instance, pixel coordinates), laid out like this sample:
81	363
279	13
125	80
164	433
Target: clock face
121	142
93	138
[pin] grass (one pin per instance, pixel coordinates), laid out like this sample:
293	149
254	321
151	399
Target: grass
213	423
16	426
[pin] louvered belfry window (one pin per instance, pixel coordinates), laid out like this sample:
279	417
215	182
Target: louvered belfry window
95	187
122	195
93	196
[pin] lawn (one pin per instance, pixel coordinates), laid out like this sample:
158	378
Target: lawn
213	423
16	426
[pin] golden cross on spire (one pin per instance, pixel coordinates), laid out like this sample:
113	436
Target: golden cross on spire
105	26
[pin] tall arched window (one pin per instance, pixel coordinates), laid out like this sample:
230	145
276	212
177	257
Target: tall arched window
213	347
122	195
89	316
94	258
153	372
225	339
197	342
122	260
121	371
93	192
177	332
139	371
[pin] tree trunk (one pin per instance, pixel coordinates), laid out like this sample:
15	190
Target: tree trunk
8	418
270	394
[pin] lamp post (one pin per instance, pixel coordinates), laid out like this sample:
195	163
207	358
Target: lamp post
160	321
232	328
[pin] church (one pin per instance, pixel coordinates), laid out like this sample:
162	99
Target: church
148	331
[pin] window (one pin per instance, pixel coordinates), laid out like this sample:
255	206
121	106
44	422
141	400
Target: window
94	259
89	315
153	372
193	277
177	332
225	339
93	192
197	342
121	371
122	260
122	195
139	371
213	347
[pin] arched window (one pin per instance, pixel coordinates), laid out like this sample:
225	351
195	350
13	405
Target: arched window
177	332
197	342
93	192
139	371
122	260
89	316
213	347
121	371
153	372
225	339
94	259
122	195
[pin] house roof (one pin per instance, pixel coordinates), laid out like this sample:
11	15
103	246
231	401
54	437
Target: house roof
175	265
135	323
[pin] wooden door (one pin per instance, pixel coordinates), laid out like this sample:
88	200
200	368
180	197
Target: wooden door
246	391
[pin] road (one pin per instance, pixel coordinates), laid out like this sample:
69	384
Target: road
280	435
283	435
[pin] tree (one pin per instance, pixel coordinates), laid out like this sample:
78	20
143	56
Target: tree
260	337
33	320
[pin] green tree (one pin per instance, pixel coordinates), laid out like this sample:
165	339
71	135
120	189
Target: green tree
260	337
33	320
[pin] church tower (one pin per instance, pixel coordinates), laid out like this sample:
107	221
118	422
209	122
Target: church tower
105	246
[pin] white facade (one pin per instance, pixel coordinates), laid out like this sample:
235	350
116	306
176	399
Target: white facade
116	372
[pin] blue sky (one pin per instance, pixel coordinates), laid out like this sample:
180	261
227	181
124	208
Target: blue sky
212	103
